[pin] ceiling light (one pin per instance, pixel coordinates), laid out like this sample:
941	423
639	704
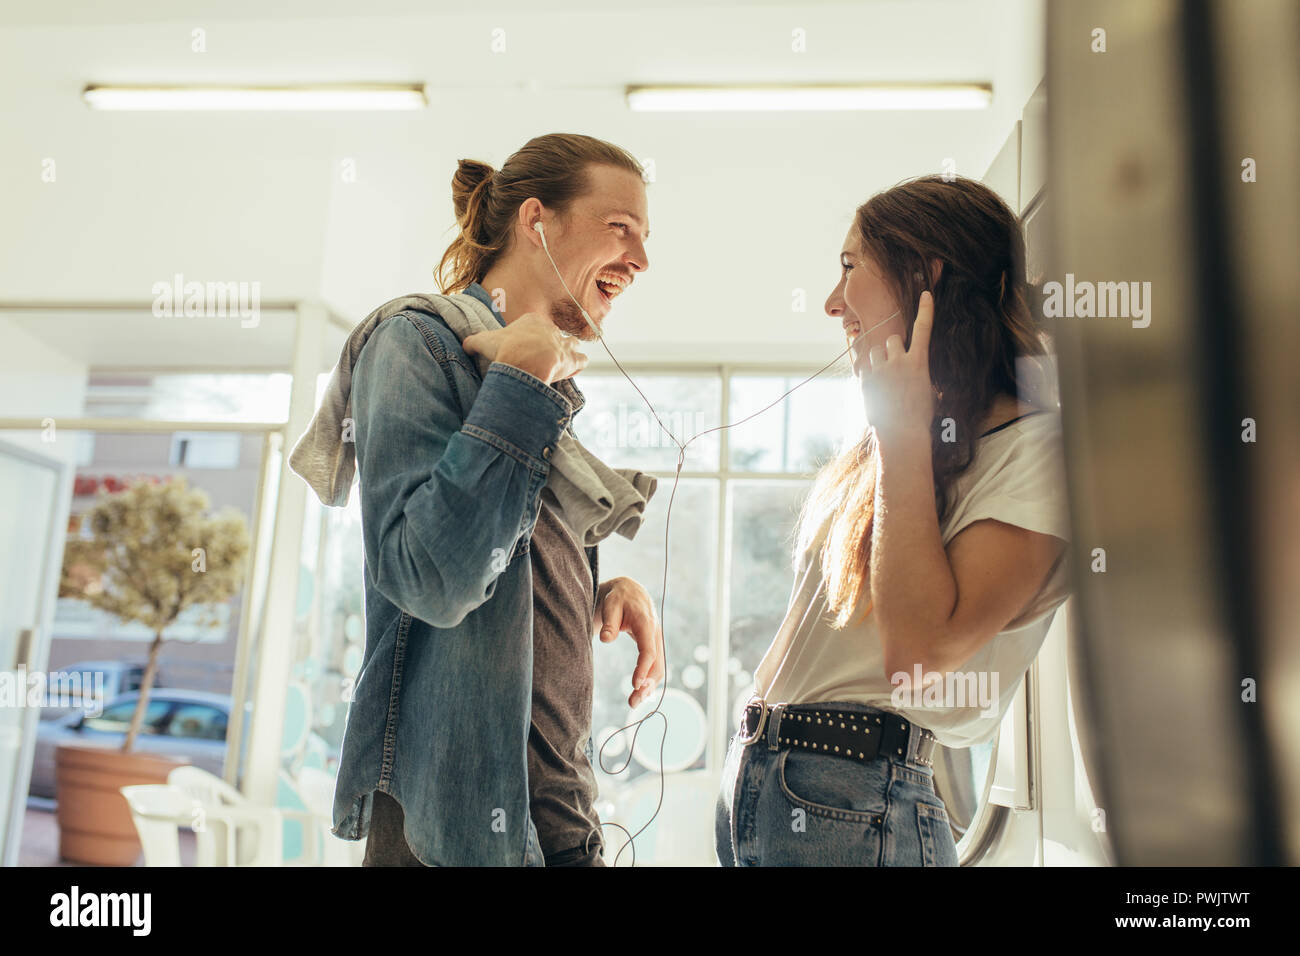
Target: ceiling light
965	96
255	97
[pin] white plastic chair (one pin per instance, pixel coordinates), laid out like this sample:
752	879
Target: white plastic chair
229	829
157	810
316	788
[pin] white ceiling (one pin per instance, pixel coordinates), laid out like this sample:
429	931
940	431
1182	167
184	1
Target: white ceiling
745	209
81	12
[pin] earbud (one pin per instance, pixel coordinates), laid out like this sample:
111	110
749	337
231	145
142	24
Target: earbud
538	226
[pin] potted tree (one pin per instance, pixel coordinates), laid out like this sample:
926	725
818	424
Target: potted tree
152	552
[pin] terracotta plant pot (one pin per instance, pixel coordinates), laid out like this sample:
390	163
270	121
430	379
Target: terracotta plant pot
95	823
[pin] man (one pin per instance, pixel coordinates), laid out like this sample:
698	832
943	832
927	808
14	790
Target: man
468	737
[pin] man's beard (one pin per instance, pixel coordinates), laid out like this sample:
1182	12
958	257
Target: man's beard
568	318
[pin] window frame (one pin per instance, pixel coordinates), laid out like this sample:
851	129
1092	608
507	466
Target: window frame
719	695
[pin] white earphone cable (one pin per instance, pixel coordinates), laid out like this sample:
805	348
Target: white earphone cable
681	458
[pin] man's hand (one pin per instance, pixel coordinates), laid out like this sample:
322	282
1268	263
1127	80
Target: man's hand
533	344
624	605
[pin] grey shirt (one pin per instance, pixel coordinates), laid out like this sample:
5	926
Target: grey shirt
561	782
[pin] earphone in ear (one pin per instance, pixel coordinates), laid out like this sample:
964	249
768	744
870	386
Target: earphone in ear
538	226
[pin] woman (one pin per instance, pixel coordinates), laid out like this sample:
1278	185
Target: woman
931	554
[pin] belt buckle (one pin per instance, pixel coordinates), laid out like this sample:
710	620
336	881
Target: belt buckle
755	713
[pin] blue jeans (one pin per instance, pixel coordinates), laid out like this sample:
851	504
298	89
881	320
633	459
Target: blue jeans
792	807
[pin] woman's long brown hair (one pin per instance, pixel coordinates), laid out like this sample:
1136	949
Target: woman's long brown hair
983	323
552	168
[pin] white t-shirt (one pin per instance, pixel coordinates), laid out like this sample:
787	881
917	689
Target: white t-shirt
1016	477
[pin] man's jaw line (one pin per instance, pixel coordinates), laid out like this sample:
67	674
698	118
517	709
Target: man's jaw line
568	319
566	309
567	314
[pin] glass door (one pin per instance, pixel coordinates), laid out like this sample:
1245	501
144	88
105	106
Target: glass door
33	491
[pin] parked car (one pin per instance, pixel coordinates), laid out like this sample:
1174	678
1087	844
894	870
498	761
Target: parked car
120	677
187	724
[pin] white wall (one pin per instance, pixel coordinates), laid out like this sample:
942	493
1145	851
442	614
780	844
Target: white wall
39	381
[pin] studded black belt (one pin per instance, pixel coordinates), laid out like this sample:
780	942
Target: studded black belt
852	734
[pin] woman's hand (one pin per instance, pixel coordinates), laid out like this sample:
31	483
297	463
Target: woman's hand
531	343
896	387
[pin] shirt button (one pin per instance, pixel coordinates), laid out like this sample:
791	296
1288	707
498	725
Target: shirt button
546	452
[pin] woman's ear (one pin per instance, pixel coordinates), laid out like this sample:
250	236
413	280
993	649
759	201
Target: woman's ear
936	270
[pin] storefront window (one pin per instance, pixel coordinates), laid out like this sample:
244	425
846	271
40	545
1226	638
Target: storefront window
180	397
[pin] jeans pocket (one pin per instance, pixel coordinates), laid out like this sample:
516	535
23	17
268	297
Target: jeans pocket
938	848
830	812
834	787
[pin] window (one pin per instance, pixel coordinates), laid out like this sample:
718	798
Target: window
85	449
187	397
762	518
225	465
620	430
800	433
729	546
688	621
198	721
117	719
205	450
329	630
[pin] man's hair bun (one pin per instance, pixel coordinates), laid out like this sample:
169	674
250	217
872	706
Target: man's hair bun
469	186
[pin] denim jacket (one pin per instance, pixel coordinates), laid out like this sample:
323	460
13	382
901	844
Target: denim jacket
451	466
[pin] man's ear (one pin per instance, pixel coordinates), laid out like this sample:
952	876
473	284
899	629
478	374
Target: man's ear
530	211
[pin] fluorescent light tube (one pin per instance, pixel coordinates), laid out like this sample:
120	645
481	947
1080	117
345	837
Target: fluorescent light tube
255	98
967	96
